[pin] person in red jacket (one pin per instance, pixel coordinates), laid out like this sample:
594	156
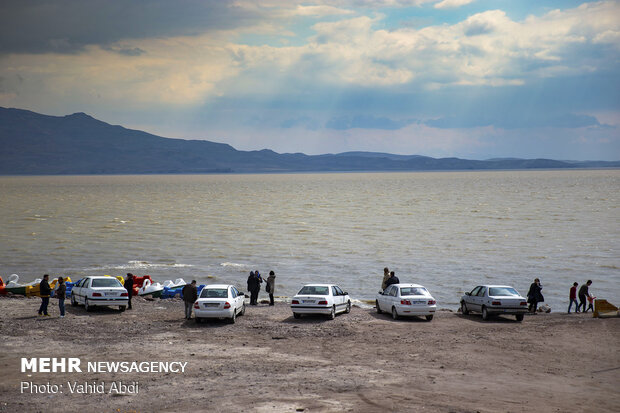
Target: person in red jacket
573	298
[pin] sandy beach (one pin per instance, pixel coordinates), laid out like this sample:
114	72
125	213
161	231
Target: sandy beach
269	361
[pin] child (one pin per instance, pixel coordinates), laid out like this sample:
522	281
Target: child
573	298
590	302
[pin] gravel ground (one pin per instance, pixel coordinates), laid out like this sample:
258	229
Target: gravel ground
269	361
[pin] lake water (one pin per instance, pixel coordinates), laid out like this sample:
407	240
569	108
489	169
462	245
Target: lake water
446	230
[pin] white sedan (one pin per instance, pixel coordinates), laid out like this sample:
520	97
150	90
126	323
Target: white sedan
219	301
494	299
99	290
328	299
406	300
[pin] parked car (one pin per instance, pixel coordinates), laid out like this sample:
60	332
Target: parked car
219	301
494	299
328	299
99	290
406	300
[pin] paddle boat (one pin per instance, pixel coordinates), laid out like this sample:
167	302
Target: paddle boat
150	288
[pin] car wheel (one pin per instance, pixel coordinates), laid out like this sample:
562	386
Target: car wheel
348	310
485	314
296	315
378	308
122	308
429	317
233	319
519	317
242	312
332	314
198	320
87	307
464	309
73	302
394	313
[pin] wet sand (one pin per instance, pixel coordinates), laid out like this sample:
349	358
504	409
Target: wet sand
359	362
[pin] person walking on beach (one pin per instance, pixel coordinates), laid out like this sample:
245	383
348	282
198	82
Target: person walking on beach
392	280
534	296
386	276
44	292
572	296
583	294
129	288
253	287
190	295
271	283
61	294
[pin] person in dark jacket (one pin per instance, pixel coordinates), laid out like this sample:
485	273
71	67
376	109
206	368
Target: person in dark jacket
534	296
61	294
392	280
44	292
129	288
253	287
584	293
190	295
271	285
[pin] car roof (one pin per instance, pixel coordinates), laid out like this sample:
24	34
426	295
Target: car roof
320	285
409	285
101	277
494	286
218	285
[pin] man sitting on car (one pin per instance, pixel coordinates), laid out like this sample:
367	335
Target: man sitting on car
392	280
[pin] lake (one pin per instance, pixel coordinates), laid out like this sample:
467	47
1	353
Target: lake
446	230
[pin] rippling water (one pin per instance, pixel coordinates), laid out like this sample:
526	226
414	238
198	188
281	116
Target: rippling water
446	230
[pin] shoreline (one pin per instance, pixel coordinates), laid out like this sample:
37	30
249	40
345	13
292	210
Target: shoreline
269	361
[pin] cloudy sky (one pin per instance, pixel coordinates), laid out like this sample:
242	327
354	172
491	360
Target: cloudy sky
468	78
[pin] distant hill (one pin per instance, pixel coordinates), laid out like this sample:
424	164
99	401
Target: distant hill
31	143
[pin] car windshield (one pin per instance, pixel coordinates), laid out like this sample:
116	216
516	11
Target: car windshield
106	282
314	290
502	292
214	293
412	291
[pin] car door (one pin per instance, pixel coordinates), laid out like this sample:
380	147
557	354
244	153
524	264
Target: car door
480	298
383	299
236	298
78	291
343	298
337	298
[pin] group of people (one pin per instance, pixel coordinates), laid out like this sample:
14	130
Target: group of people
584	295
389	278
255	280
45	292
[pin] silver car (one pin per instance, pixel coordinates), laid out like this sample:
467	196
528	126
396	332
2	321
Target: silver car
494	299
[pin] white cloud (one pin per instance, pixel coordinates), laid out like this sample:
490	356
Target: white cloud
449	4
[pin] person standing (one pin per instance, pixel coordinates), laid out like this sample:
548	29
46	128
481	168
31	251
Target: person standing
271	283
386	276
44	292
572	296
61	293
129	288
190	295
253	287
534	296
392	280
584	293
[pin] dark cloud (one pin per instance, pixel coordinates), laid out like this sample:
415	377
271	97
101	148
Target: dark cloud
365	122
135	51
515	121
66	26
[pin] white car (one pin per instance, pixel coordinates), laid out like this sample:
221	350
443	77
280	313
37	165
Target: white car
406	300
328	299
494	299
219	301
99	290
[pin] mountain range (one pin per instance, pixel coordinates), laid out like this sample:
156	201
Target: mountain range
32	143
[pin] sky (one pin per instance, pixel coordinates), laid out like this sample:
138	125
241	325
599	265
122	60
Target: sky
474	79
